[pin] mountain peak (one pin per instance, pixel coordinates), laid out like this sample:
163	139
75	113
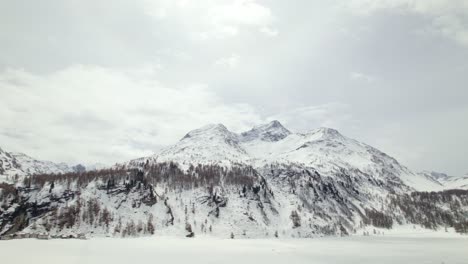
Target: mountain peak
218	126
210	143
435	175
275	123
273	131
215	129
326	132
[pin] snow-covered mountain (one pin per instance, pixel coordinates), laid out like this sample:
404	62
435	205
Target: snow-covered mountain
15	166
209	144
324	149
270	132
265	182
445	181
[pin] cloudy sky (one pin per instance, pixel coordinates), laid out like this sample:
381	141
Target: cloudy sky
107	81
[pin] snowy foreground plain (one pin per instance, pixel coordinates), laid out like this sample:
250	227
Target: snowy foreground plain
422	247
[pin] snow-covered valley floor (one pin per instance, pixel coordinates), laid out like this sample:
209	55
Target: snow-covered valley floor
356	249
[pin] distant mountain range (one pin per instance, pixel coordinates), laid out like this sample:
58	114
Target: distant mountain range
15	166
447	182
265	182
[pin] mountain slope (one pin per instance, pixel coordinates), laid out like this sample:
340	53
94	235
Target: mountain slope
209	144
15	166
266	182
324	149
277	200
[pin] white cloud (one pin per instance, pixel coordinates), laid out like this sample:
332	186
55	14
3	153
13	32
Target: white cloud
242	12
231	61
452	27
102	114
449	17
334	115
359	76
420	6
227	19
271	32
214	18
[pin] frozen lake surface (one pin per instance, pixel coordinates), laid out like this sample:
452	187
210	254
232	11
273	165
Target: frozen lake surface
357	249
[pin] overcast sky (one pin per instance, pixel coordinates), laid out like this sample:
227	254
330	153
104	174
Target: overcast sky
107	81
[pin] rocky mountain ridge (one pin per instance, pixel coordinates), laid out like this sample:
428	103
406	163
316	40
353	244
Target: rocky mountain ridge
15	166
325	149
266	182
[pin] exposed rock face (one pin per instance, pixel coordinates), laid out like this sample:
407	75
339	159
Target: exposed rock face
271	132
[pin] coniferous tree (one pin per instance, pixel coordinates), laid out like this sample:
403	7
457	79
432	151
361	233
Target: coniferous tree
295	218
150	224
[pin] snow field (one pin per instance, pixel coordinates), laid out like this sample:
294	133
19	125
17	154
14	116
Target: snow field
356	249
